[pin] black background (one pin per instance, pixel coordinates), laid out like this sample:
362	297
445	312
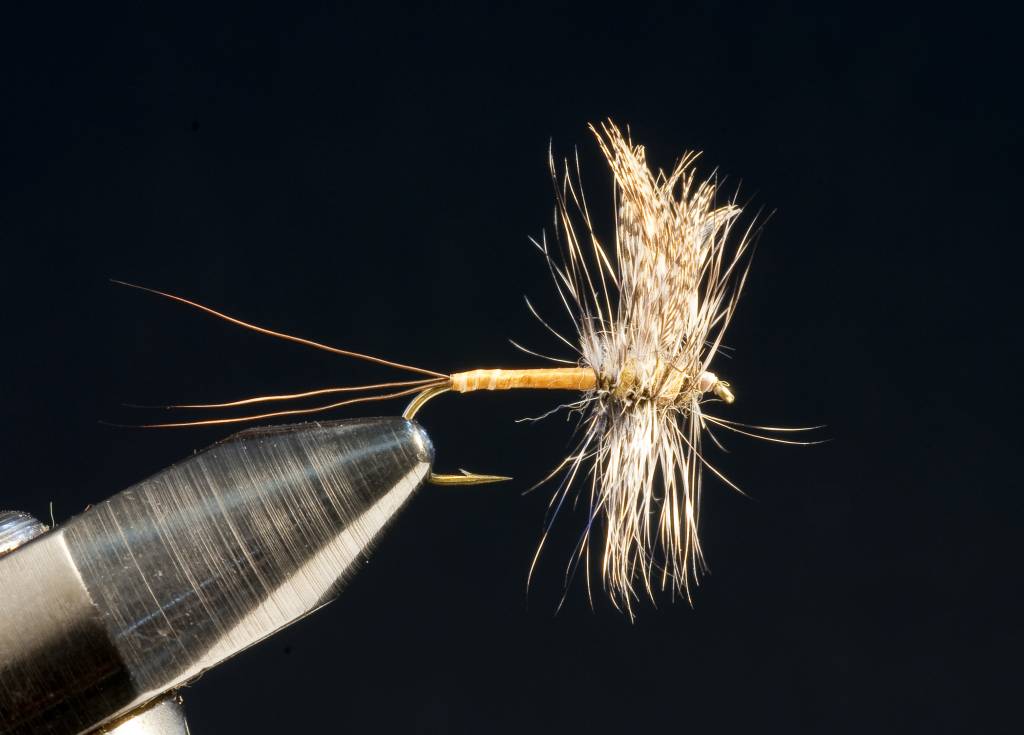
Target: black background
370	178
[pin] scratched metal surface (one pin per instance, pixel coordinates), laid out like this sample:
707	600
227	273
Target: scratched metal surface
168	578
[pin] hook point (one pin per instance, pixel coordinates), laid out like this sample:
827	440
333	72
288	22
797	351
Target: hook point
466	478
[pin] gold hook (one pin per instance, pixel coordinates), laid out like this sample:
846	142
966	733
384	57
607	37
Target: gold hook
723	391
466	478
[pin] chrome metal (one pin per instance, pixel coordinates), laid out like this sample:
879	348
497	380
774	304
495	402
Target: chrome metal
17	528
163	717
145	591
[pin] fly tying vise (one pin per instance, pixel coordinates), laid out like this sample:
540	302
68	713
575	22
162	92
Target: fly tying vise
649	315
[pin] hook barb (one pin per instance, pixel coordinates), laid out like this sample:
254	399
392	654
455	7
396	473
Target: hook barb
465	478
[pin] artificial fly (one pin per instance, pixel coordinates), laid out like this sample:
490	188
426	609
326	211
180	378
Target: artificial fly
649	315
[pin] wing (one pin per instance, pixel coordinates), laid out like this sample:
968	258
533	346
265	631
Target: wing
667	229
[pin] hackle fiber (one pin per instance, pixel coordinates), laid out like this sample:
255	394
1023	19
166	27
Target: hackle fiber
649	314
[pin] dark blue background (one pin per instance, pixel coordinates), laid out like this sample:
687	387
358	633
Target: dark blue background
369	178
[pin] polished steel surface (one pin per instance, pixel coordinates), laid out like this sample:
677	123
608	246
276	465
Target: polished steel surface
147	590
17	528
164	717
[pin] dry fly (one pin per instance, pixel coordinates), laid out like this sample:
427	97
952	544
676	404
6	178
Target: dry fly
649	313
